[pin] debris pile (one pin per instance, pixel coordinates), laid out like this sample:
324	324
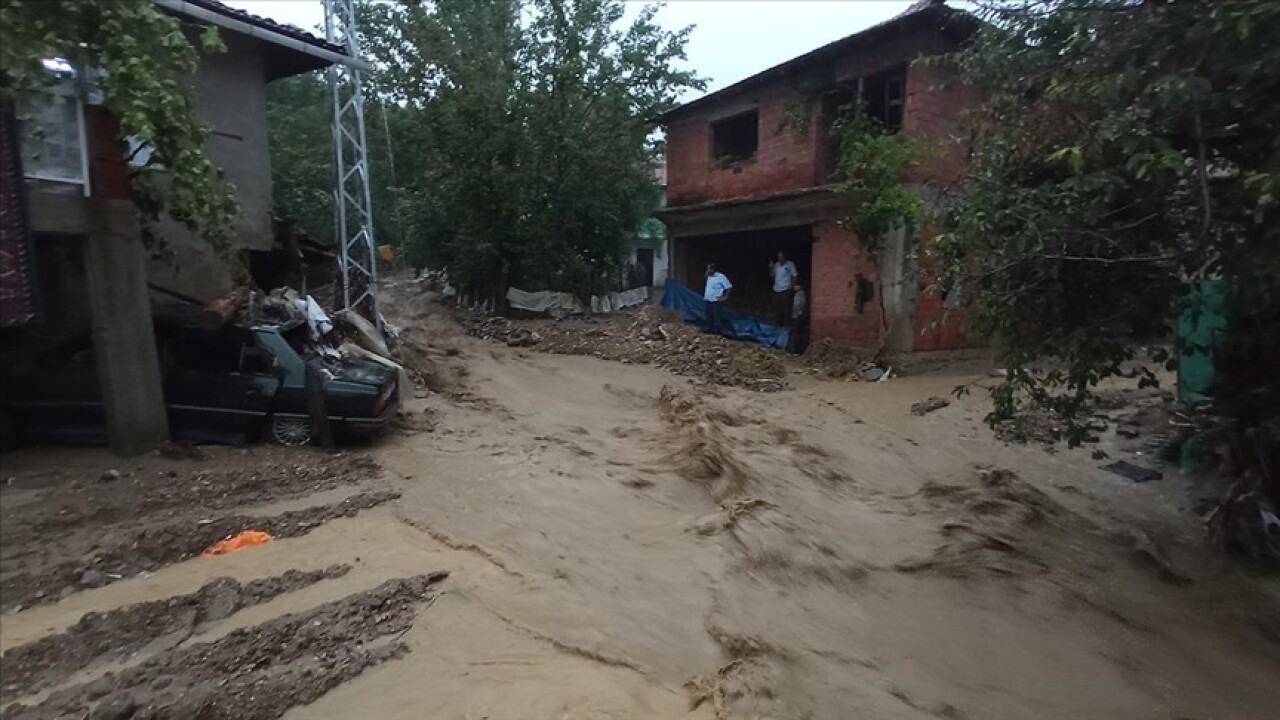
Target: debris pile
653	336
825	358
829	360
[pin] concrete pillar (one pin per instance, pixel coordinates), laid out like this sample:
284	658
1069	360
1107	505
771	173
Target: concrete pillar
124	341
899	280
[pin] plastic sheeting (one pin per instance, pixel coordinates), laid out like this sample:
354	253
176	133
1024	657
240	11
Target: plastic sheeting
1200	324
744	327
619	301
555	304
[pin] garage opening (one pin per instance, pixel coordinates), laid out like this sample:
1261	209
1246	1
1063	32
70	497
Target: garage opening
744	257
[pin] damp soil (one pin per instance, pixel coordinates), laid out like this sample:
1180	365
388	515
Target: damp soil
126	554
116	635
254	673
86	500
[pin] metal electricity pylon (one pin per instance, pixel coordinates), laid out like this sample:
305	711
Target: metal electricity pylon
353	209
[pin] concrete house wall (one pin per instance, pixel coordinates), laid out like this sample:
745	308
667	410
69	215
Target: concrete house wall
88	241
229	93
773	200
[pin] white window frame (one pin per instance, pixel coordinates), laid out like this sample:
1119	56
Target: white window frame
68	88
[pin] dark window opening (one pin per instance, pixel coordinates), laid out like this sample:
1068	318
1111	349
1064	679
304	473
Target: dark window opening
884	97
211	351
864	292
735	139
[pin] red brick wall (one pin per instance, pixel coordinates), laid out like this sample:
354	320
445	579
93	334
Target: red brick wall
936	326
934	113
784	159
108	171
838	258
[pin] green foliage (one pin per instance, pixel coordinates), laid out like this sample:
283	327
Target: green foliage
870	167
1125	148
299	122
140	56
522	133
299	117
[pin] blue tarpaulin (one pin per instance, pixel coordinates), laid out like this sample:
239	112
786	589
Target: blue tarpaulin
744	327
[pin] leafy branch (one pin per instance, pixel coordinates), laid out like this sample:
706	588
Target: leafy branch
141	58
870	167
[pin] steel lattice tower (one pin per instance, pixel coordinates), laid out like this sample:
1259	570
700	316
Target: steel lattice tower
352	206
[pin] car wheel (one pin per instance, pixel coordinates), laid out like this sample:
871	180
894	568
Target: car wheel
291	431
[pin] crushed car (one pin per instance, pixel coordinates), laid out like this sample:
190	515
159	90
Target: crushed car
235	384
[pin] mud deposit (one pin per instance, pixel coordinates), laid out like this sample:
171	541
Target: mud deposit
118	634
124	554
255	673
90	501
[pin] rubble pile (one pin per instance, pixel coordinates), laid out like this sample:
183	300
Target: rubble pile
829	360
652	336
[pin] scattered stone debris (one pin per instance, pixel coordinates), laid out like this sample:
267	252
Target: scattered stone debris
925	407
651	335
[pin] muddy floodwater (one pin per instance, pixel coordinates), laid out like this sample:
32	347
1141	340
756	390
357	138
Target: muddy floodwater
567	537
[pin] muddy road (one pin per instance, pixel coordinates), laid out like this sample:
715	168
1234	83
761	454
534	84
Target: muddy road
621	542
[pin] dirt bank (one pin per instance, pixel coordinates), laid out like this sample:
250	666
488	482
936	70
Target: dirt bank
128	552
256	673
118	634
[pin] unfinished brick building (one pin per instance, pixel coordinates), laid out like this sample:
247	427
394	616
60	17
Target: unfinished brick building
746	180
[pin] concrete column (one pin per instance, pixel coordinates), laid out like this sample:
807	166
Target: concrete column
899	278
124	341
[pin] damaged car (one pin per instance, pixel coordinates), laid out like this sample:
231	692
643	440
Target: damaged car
231	385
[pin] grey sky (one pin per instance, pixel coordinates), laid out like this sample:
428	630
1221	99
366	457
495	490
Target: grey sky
733	38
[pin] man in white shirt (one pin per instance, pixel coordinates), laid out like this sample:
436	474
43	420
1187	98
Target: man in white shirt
784	275
716	294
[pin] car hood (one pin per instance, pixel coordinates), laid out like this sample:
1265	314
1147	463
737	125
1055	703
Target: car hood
363	371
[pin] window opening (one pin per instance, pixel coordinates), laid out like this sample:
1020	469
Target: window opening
735	139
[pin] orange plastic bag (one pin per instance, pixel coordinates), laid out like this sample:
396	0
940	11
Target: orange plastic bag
239	541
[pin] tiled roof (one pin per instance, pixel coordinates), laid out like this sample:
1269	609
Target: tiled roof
934	13
285	29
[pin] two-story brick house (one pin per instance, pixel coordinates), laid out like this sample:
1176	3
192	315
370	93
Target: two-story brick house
749	171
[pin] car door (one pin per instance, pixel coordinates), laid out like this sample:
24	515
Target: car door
221	387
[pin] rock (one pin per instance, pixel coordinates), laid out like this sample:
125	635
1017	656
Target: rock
114	708
927	406
109	476
92	578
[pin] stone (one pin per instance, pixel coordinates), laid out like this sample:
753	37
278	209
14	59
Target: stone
92	578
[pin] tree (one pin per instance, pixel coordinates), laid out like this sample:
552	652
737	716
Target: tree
299	118
1126	149
139	56
525	133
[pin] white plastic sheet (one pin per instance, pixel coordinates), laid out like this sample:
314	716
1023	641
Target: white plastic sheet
555	304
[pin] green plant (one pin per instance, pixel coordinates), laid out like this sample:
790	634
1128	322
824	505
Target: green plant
140	56
871	163
526	133
1125	149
